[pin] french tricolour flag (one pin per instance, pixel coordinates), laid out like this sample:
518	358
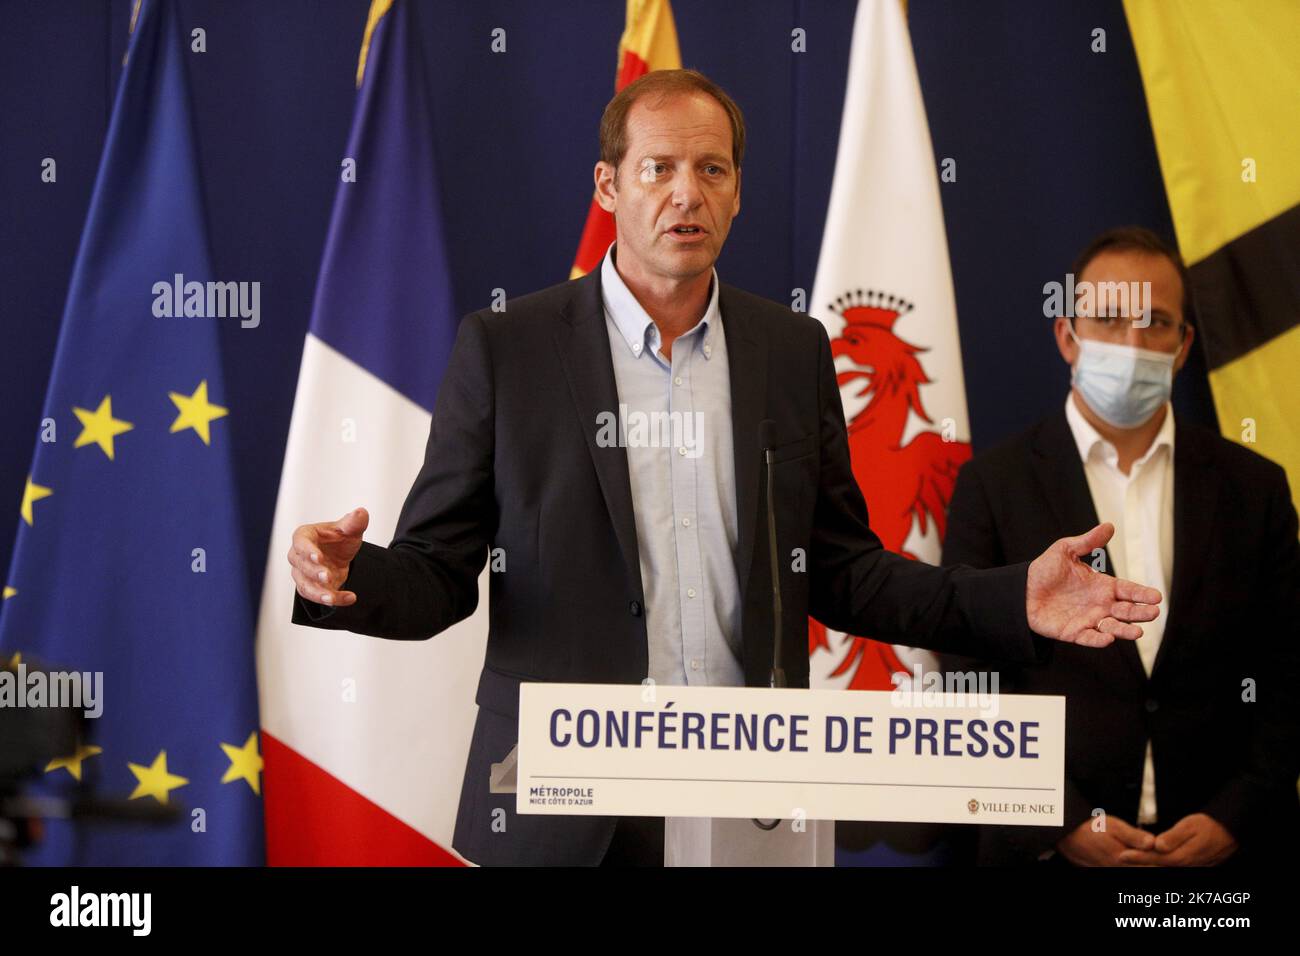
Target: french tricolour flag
365	740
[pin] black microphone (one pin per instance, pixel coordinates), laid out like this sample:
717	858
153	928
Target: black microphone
767	442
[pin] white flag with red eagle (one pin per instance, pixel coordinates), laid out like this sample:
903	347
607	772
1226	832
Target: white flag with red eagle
884	292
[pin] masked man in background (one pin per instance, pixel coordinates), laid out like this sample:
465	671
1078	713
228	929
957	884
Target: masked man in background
1182	748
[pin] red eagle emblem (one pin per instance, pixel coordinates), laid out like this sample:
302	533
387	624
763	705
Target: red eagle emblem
904	484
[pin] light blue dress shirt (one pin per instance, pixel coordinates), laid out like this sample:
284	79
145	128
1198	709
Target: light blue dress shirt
675	417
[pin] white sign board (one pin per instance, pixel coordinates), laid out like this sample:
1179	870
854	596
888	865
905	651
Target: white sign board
633	750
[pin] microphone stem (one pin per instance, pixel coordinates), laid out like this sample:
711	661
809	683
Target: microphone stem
778	671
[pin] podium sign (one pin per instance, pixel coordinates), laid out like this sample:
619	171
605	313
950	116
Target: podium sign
633	750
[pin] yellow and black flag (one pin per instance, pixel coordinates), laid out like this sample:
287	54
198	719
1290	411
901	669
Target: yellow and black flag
1223	87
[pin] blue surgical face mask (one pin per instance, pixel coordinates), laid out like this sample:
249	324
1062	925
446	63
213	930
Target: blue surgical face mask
1123	384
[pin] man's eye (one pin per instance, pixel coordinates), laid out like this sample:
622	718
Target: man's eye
713	169
652	171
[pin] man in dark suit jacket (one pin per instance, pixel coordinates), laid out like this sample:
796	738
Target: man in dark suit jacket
514	461
1215	701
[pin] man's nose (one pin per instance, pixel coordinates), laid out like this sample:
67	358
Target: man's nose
686	191
1137	331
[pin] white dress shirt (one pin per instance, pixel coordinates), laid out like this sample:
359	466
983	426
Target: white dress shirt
1141	507
683	498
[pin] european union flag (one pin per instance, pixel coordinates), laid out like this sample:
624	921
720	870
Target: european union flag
128	560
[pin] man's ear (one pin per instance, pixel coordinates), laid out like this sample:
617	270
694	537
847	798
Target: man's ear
1069	351
735	206
606	191
1186	349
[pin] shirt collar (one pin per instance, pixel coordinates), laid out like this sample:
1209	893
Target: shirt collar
1087	439
634	324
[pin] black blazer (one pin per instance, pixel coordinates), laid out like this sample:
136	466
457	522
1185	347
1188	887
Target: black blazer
1234	608
513	462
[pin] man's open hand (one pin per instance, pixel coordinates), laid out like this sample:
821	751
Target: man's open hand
1069	601
321	555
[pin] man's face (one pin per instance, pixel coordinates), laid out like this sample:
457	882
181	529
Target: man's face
1166	332
677	172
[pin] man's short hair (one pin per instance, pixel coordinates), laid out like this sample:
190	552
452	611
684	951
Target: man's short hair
1136	239
662	84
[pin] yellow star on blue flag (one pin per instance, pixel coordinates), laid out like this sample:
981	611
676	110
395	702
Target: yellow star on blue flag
155	780
196	411
32	493
100	427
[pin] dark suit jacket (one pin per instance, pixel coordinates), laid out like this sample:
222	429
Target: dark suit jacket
512	462
1234	609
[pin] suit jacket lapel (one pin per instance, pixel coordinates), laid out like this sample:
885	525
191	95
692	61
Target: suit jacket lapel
582	342
747	368
1196	491
1060	473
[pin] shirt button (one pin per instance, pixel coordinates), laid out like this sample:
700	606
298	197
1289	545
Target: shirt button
690	592
695	664
636	349
1152	705
635	608
677	380
686	522
708	350
681	450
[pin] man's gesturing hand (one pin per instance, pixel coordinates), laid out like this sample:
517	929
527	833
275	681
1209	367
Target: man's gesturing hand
1069	601
321	555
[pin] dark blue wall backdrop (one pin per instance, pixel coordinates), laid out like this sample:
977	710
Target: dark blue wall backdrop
1052	144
